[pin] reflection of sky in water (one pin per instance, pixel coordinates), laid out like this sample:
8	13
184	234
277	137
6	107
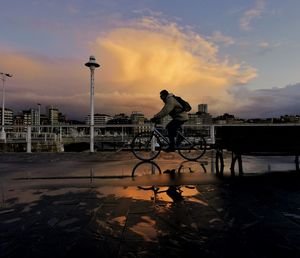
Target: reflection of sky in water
189	193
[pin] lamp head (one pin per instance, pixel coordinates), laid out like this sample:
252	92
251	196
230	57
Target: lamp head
6	74
92	63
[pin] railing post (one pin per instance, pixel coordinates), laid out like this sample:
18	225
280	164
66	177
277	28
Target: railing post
28	139
213	152
60	134
212	134
153	141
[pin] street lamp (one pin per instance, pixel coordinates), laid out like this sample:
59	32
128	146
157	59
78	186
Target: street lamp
3	78
92	64
39	117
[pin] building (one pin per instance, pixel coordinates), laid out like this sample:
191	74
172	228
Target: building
8	116
203	108
99	119
52	114
137	117
30	117
199	118
119	119
227	119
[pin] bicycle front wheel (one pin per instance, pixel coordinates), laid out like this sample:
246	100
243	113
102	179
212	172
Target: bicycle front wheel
192	148
145	146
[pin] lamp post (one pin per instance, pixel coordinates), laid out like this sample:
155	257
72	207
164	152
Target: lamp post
92	64
39	117
3	78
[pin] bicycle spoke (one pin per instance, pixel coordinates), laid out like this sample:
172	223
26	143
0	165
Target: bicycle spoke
192	148
142	146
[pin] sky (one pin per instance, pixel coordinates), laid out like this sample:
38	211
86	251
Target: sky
239	57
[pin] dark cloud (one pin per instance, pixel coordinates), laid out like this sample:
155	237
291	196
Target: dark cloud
267	102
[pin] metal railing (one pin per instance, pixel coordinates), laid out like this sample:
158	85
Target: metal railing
59	135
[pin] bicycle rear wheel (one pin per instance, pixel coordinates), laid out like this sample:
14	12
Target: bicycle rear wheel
192	148
142	146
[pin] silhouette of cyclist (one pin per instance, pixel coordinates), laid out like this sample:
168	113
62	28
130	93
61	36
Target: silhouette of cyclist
173	108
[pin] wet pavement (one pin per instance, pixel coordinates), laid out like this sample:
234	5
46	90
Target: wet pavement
111	205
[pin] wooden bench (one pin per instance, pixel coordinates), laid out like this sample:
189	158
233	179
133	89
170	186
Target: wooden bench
256	140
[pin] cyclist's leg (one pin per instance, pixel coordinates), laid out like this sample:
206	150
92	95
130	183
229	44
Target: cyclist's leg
179	137
172	128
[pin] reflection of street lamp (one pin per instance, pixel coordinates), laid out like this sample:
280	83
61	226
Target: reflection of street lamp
3	78
92	64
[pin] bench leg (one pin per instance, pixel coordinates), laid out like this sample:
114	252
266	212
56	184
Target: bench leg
240	163
297	162
236	157
219	163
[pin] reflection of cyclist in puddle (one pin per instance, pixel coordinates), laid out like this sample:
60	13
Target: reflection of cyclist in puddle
173	191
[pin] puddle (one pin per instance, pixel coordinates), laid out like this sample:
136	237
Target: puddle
168	179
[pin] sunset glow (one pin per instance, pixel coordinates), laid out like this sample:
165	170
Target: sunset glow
141	54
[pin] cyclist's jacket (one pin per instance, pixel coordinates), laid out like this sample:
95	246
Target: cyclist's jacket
172	108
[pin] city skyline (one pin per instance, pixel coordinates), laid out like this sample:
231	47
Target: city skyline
201	116
239	58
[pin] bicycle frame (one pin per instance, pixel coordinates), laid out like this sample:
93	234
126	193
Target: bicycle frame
165	139
147	145
160	136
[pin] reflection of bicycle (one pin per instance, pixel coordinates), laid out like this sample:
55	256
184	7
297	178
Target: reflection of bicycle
192	166
145	168
148	145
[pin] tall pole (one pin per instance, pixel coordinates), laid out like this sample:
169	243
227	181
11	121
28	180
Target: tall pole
3	136
92	123
39	118
92	64
4	75
51	115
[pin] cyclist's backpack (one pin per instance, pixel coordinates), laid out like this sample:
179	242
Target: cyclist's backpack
185	105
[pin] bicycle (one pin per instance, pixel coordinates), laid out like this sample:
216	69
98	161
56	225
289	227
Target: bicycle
148	145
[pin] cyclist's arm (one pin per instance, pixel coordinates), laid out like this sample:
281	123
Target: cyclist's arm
168	107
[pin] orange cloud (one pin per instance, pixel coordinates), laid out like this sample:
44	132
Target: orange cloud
147	55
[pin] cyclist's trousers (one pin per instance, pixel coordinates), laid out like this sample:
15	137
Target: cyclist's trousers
172	128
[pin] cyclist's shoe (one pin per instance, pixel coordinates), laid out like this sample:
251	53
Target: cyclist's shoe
170	149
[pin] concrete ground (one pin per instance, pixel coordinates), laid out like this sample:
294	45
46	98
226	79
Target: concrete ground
89	205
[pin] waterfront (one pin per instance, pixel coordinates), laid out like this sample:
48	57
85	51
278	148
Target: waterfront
72	204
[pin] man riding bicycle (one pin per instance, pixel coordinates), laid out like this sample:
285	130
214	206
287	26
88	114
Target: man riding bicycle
173	108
